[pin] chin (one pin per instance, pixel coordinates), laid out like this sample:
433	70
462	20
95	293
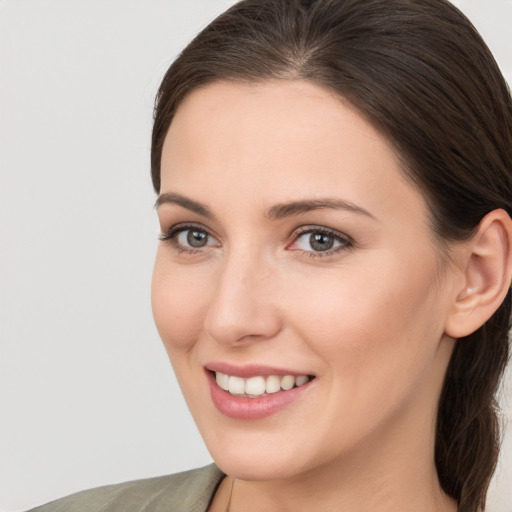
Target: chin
243	466
258	456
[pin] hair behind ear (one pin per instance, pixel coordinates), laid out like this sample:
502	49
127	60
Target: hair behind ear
468	429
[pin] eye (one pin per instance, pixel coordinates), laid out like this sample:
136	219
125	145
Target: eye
189	238
317	240
193	238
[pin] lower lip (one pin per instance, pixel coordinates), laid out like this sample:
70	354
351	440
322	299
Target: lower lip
243	408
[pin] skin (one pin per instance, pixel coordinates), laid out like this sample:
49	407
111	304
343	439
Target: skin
367	319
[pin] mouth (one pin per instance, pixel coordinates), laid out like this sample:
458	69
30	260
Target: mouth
259	385
254	392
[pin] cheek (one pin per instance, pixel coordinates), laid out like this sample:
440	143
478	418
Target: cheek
376	337
387	313
178	301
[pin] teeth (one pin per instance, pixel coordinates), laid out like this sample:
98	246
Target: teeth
255	386
273	384
287	382
258	386
222	380
299	381
236	385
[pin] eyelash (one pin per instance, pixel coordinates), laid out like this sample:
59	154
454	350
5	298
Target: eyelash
346	243
171	235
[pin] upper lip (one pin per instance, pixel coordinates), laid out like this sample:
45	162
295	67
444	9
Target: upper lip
250	370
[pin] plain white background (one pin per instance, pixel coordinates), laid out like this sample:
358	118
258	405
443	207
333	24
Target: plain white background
87	395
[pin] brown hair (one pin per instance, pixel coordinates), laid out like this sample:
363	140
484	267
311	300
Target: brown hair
422	75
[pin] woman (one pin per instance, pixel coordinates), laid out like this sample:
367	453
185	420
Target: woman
332	285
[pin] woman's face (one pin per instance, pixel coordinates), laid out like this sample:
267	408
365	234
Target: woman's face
297	254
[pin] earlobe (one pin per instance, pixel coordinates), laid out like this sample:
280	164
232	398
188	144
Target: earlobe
487	266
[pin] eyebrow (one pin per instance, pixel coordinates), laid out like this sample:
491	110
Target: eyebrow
280	211
276	212
189	204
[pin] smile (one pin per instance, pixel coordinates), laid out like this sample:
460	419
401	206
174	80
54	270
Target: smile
259	386
255	392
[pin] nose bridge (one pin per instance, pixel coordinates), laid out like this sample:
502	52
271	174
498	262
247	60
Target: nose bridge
241	306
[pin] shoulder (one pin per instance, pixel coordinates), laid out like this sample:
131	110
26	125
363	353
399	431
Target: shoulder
190	491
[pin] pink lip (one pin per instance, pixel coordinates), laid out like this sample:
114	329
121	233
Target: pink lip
243	408
250	370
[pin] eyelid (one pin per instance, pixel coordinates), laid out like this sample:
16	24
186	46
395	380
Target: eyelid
345	240
170	235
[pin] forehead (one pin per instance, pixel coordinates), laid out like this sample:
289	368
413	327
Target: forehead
277	141
274	113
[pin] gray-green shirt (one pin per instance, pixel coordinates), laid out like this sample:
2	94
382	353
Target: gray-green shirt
191	491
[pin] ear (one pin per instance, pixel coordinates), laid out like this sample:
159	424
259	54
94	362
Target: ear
487	272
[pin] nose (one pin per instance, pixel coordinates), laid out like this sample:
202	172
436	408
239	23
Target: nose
242	309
